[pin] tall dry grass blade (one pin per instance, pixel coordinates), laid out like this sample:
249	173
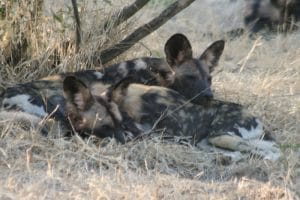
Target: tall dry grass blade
245	60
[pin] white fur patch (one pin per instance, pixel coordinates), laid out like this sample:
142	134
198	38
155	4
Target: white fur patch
267	149
254	133
140	64
146	128
122	69
22	101
99	75
128	136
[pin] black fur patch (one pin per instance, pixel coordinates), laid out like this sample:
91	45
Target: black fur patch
194	123
229	116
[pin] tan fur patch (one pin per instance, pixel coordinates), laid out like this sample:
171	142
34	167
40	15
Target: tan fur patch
231	142
98	88
53	78
79	101
132	102
116	112
96	116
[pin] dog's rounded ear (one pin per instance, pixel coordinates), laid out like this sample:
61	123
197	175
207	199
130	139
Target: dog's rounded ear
73	84
212	54
178	49
77	93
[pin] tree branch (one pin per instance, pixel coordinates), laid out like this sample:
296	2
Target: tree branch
77	22
110	53
125	13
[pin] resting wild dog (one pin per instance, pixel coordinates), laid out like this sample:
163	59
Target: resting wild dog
190	77
226	125
274	15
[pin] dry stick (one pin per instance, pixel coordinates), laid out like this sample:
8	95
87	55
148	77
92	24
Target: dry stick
256	44
78	29
112	52
125	13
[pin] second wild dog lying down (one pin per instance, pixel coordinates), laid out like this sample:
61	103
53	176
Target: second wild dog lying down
266	16
127	106
272	15
42	97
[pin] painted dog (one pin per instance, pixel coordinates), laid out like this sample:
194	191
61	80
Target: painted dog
272	15
138	109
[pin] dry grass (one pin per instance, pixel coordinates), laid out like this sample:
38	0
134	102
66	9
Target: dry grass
42	37
266	80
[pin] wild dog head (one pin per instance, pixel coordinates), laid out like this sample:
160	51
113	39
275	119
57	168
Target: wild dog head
192	76
91	114
271	15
